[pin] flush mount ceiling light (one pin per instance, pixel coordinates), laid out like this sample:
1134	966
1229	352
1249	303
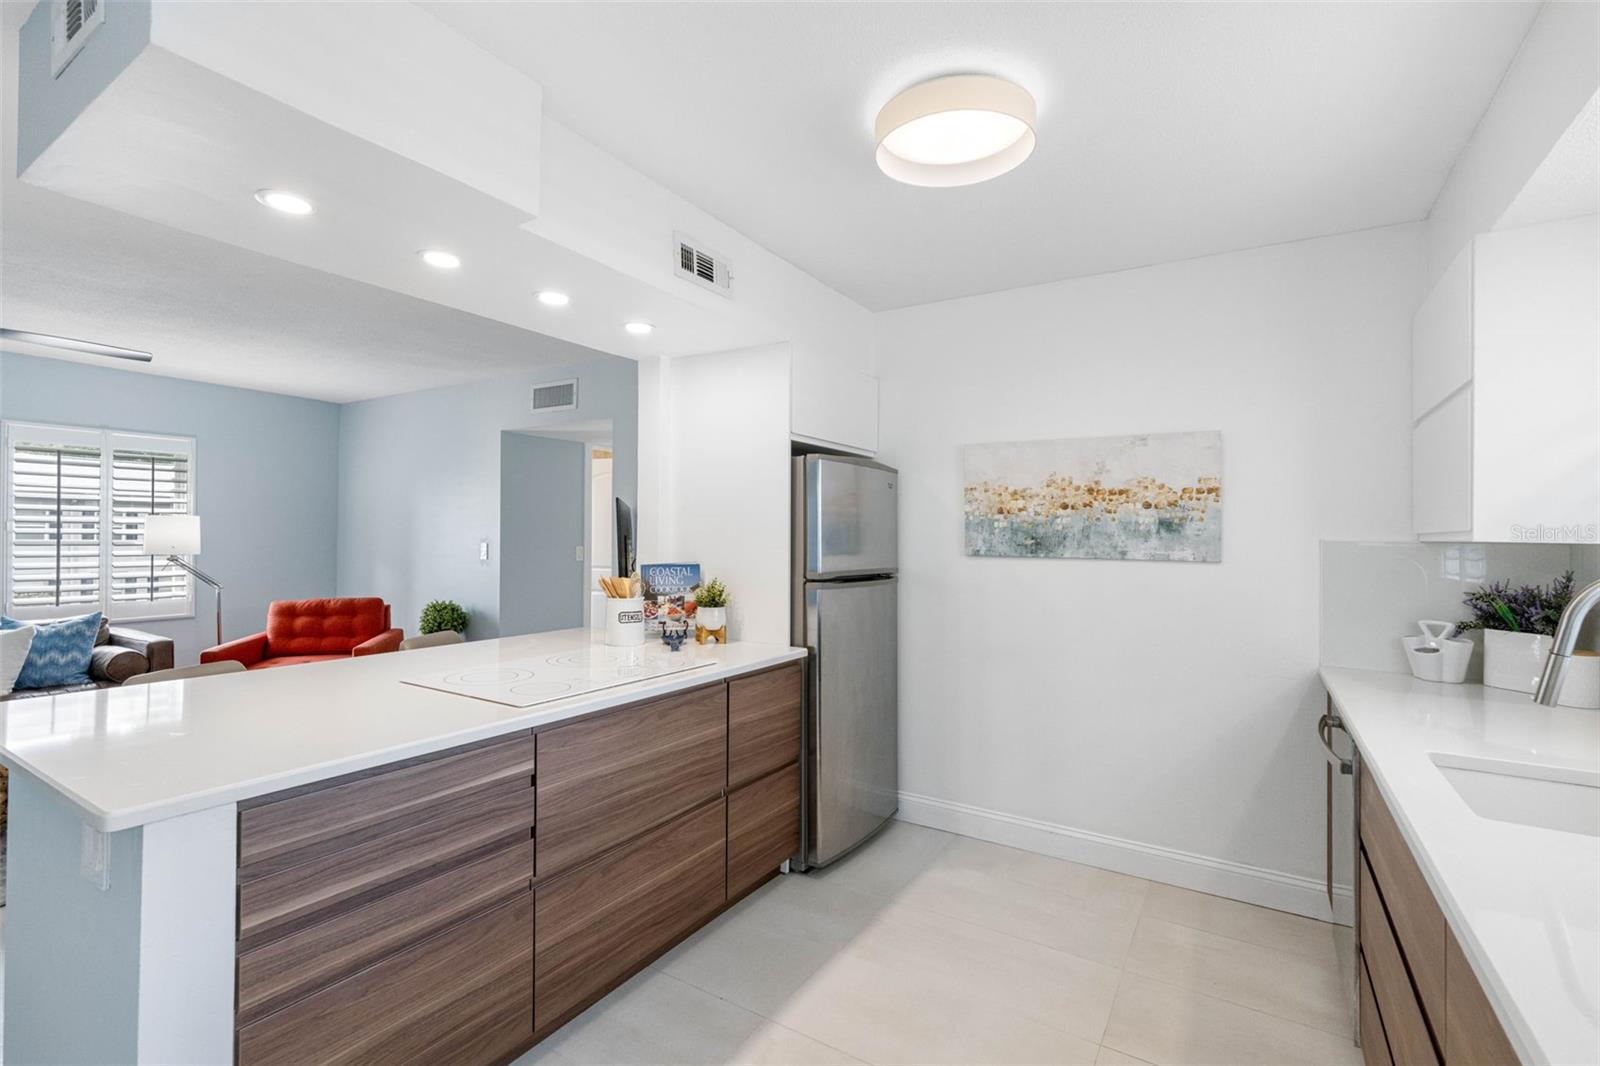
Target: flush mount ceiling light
287	202
551	298
440	259
956	130
639	329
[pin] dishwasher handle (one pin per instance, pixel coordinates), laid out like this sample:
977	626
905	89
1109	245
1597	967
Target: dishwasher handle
1325	727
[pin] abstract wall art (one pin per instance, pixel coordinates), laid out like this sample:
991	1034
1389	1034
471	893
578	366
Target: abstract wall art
1152	497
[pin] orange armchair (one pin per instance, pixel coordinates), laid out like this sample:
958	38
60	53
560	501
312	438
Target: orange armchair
309	631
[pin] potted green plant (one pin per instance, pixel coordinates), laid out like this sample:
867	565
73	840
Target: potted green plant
1518	625
440	615
711	609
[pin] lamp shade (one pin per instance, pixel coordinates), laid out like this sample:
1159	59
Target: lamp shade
172	534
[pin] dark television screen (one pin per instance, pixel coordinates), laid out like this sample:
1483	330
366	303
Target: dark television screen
626	563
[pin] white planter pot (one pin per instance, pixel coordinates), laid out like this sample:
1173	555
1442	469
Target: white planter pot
711	617
1513	660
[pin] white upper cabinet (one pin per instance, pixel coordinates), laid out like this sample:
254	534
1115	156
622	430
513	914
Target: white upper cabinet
1505	386
1441	338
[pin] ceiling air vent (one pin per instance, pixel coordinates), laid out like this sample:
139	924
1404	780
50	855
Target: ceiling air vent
701	266
71	23
556	396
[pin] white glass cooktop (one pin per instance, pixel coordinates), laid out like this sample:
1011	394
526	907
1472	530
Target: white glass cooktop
527	683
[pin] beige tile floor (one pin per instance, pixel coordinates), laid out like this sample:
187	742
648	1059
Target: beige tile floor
926	947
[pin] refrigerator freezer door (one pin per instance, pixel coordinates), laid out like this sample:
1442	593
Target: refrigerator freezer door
854	713
850	517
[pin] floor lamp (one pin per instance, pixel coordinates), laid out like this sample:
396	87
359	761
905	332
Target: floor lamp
177	535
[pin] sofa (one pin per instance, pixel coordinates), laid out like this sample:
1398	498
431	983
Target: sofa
312	631
119	653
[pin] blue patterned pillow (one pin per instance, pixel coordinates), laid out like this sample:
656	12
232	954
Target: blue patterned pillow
61	651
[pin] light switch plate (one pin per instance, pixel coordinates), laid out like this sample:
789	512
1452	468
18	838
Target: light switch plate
483	551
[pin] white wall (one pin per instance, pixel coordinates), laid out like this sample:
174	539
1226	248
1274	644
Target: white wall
1169	706
1556	71
727	505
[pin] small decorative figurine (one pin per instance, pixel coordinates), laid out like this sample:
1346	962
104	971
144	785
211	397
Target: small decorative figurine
673	635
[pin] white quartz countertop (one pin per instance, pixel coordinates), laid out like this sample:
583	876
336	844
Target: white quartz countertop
139	754
1523	902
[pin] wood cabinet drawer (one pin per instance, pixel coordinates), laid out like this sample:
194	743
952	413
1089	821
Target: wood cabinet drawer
463	996
604	920
1403	1023
763	828
763	723
609	778
1418	922
289	967
286	898
1374	1045
1472	1033
332	815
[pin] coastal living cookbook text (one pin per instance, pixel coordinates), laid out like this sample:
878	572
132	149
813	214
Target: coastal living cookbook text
668	593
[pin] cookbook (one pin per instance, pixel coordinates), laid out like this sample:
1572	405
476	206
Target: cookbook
668	593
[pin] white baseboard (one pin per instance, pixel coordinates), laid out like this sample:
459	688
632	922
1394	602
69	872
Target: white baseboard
1219	877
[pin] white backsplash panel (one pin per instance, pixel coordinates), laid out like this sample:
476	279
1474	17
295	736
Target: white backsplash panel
1374	592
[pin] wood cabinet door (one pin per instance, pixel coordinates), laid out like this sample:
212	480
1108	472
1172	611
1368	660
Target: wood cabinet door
1404	1025
609	778
763	723
598	924
1419	924
463	996
763	828
1472	1033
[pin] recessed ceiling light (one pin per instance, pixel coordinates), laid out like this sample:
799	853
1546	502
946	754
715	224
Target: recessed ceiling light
638	329
551	298
957	130
287	202
441	259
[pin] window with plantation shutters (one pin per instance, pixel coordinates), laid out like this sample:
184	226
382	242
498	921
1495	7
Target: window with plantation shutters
75	504
53	524
149	475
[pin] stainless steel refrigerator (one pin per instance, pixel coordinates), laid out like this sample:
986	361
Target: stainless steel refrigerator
845	534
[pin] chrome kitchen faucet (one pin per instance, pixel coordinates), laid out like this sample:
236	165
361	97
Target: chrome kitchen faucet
1566	641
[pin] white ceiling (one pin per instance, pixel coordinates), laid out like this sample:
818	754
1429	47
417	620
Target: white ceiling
1166	131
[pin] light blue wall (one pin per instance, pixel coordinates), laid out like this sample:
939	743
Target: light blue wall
63	932
543	485
419	478
47	105
266	478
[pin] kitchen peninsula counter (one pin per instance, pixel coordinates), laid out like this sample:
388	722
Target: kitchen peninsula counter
332	863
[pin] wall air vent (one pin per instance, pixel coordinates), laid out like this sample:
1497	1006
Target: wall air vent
556	396
701	266
71	23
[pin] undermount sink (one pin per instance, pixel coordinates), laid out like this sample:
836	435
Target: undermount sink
1546	797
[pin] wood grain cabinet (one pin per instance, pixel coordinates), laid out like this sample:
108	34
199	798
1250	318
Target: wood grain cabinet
463	996
763	723
458	907
606	779
598	924
1419	1001
763	828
